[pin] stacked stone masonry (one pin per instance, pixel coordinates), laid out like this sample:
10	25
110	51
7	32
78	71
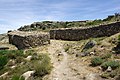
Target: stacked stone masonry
85	33
24	40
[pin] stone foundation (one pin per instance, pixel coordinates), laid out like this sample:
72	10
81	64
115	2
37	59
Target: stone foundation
85	33
24	40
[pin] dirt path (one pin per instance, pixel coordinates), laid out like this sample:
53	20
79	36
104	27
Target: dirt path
66	67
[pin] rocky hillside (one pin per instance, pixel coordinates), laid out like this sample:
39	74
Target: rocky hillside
47	25
87	59
90	59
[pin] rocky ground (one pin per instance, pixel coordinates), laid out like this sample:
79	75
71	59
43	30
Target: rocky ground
66	66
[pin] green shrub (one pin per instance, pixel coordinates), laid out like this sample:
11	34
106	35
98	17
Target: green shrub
5	55
43	66
12	54
106	56
17	52
111	74
112	64
96	61
3	61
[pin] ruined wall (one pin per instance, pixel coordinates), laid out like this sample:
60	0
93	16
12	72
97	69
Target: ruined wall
24	40
85	33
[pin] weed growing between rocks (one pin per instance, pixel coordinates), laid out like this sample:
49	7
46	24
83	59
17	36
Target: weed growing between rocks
113	64
17	63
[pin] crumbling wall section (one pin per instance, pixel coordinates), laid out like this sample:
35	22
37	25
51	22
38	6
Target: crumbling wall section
24	40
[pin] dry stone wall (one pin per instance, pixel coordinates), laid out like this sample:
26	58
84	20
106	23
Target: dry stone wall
85	33
24	40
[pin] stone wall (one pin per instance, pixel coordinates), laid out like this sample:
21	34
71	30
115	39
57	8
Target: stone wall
24	40
85	33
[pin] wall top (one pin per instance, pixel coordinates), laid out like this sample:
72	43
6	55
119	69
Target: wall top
28	33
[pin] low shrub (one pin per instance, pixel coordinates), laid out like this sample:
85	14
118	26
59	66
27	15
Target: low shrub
43	66
3	61
96	61
5	52
106	56
112	64
111	74
12	54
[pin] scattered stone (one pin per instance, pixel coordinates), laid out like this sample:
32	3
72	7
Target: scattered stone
11	62
27	74
3	76
28	58
83	54
92	53
99	68
117	59
90	44
12	67
109	69
22	63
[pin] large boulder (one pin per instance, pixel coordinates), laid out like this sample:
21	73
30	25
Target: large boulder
23	40
89	44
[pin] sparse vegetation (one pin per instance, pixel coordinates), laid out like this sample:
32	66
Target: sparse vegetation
40	63
3	61
96	61
17	77
106	56
111	74
43	66
112	64
117	48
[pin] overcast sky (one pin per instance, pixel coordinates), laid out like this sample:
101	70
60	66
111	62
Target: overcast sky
15	13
